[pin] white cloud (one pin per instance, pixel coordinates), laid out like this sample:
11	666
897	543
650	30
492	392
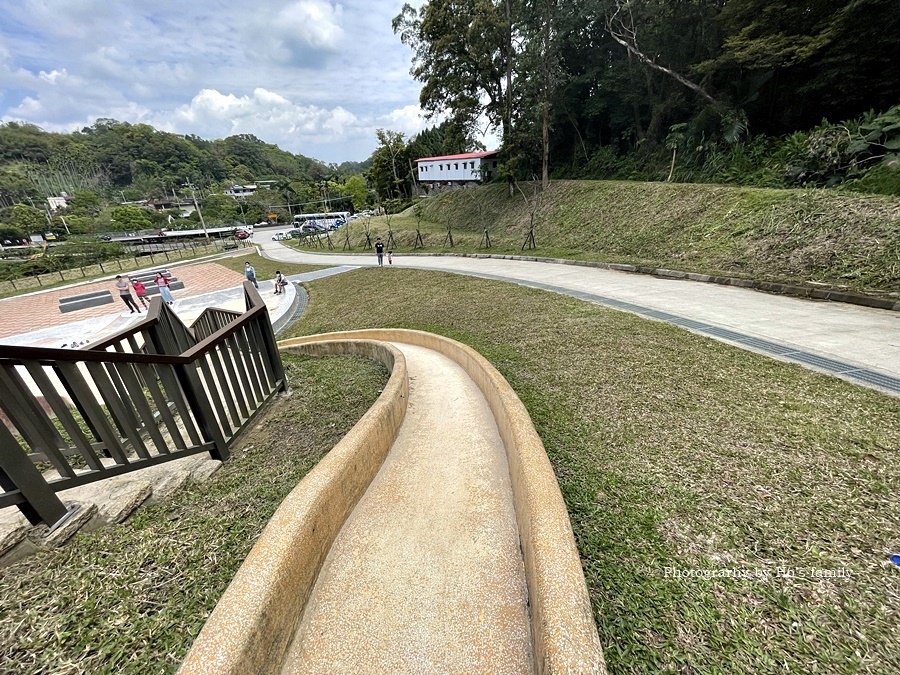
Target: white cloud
266	114
28	109
315	22
408	119
316	77
53	75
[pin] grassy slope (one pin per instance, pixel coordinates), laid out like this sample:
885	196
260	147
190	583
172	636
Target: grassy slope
782	235
673	450
265	268
131	598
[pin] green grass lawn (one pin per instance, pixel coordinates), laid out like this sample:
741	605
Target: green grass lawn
676	451
265	268
131	598
672	451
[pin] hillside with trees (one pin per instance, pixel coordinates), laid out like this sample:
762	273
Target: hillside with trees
114	156
108	169
767	93
122	177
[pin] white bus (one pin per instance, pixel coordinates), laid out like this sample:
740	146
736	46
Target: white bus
331	221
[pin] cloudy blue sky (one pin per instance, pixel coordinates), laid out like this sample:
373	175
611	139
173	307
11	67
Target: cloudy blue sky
316	77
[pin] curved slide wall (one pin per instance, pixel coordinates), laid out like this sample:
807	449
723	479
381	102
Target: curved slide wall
253	625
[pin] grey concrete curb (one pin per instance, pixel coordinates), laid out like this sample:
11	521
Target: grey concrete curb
810	292
298	306
289	313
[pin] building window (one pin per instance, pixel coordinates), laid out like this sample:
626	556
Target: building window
471	165
456	166
440	167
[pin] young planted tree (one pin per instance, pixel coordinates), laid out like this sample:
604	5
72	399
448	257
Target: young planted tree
390	166
417	212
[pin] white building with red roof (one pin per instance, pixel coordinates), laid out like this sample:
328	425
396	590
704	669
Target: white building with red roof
469	168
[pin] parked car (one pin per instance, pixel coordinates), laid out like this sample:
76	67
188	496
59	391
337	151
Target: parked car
242	234
280	236
105	237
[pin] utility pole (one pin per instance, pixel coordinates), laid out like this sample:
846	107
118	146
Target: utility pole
197	206
325	195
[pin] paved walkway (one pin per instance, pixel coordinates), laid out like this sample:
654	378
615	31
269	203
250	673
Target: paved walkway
860	344
40	310
34	319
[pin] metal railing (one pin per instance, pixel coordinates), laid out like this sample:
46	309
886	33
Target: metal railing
154	392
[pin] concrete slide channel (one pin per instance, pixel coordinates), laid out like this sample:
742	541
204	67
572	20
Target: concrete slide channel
432	539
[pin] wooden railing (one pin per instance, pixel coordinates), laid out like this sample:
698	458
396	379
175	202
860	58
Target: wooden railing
152	393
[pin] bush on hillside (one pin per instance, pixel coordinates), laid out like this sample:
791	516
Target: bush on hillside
863	155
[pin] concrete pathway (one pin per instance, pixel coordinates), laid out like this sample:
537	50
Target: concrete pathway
38	322
426	575
858	343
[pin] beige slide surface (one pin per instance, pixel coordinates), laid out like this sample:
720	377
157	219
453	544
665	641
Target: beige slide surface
433	538
426	575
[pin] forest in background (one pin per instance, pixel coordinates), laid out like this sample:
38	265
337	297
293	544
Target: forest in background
107	169
762	93
767	93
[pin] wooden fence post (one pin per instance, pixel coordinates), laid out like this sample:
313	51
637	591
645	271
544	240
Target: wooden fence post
16	471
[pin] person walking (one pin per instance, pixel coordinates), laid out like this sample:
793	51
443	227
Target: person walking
163	285
125	294
140	291
250	273
379	251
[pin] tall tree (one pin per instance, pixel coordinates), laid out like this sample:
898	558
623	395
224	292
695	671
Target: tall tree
26	218
355	186
463	56
390	170
539	33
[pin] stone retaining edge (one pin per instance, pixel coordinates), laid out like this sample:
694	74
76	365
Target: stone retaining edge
563	629
252	625
811	292
287	314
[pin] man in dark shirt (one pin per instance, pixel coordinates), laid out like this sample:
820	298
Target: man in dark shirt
379	251
125	294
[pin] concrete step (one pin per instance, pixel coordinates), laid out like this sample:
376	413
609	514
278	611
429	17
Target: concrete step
103	503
